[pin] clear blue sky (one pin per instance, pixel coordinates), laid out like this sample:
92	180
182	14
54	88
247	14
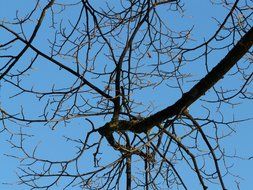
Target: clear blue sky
198	14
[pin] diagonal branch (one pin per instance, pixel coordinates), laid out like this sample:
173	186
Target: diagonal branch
75	73
212	151
35	31
217	73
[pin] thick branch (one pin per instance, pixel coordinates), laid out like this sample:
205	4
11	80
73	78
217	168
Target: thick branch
217	73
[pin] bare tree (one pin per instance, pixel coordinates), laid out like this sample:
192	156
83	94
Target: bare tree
88	70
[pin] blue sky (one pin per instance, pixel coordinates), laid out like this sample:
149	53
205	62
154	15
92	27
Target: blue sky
199	14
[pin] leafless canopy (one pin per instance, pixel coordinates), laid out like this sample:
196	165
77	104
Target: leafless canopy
124	94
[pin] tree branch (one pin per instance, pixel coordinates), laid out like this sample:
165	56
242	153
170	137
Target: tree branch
217	73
